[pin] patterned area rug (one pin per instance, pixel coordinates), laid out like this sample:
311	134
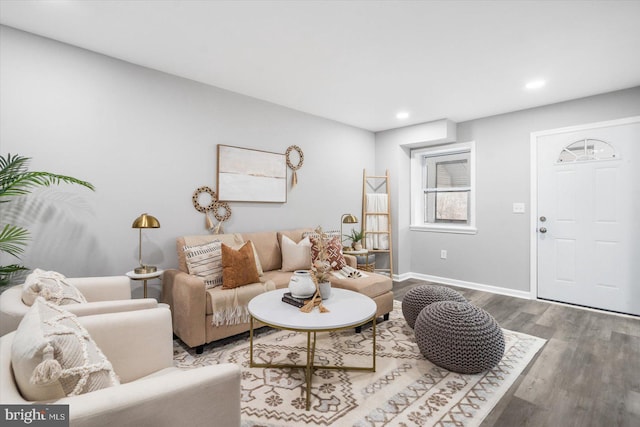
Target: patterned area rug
405	390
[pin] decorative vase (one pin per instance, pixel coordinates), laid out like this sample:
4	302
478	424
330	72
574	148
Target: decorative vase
301	284
325	289
357	246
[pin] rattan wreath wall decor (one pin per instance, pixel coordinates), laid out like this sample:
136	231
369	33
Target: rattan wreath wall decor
221	217
294	168
212	209
196	199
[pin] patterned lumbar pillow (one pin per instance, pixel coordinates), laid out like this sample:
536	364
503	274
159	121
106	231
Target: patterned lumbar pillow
296	256
238	266
205	261
333	248
53	356
328	233
52	286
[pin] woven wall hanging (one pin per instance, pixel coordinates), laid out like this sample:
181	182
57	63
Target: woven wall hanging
212	209
294	168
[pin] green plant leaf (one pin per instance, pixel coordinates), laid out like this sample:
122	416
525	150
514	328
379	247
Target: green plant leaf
16	180
355	235
13	239
6	271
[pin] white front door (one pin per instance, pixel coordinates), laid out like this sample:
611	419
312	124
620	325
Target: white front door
588	216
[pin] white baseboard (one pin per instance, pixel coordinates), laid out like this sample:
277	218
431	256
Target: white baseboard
402	277
498	290
463	284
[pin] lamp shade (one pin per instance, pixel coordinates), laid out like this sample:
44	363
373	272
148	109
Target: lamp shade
146	221
349	219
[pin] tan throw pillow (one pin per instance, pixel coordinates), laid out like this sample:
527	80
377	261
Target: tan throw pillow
333	248
205	261
296	256
53	356
52	286
238	266
255	256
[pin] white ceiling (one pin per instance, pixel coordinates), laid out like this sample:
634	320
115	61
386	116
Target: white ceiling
360	62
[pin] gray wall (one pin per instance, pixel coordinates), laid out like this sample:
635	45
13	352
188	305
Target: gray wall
393	154
498	255
147	140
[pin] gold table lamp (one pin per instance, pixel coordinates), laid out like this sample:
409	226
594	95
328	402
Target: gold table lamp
144	221
347	219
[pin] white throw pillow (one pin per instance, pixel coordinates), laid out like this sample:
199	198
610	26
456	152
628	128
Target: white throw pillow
53	356
52	286
205	261
296	256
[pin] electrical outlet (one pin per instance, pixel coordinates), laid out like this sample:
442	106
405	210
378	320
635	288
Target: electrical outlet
518	208
443	254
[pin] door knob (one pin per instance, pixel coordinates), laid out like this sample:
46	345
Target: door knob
543	218
542	230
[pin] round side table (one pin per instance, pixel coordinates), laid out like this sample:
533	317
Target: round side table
368	260
144	277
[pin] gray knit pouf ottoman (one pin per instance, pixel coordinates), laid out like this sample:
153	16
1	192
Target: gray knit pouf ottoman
421	296
459	337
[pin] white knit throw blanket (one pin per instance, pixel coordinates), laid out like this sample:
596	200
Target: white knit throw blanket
230	306
377	203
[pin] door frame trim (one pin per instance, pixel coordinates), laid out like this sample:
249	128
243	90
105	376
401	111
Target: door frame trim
533	217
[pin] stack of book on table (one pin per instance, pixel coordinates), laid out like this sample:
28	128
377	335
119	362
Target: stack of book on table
297	302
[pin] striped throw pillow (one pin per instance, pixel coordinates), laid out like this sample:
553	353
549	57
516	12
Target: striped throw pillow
205	261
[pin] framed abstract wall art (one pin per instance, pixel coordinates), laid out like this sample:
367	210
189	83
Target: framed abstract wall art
247	175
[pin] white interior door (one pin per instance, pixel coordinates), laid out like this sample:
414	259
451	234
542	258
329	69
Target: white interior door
588	217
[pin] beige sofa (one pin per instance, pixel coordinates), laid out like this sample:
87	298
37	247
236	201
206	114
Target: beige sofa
109	294
152	392
191	303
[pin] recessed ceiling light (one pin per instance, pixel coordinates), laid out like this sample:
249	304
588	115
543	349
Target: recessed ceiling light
535	84
402	115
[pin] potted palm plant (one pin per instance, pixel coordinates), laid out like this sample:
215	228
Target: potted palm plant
17	180
356	238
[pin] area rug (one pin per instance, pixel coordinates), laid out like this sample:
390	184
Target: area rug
405	390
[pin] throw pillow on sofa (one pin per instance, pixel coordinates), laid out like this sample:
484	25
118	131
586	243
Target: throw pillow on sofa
333	250
53	356
52	286
238	266
205	261
296	256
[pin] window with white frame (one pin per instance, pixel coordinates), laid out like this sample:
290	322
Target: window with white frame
442	188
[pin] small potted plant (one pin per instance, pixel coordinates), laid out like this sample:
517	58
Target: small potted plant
356	238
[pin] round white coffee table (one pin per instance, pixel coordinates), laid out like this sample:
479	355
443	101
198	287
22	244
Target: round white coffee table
347	309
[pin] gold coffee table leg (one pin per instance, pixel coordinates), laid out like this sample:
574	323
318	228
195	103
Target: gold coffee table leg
309	369
251	341
374	343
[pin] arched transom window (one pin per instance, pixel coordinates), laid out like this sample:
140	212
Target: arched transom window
587	149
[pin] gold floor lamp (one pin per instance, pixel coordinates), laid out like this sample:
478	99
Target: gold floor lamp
144	221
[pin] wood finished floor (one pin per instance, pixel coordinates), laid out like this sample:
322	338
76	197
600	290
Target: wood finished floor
587	374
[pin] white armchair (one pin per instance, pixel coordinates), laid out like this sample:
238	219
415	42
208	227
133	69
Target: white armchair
152	391
103	294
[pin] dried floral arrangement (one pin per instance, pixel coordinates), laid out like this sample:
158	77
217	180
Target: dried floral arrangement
321	267
320	272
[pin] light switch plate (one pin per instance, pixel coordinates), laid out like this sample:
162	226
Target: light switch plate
518	208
